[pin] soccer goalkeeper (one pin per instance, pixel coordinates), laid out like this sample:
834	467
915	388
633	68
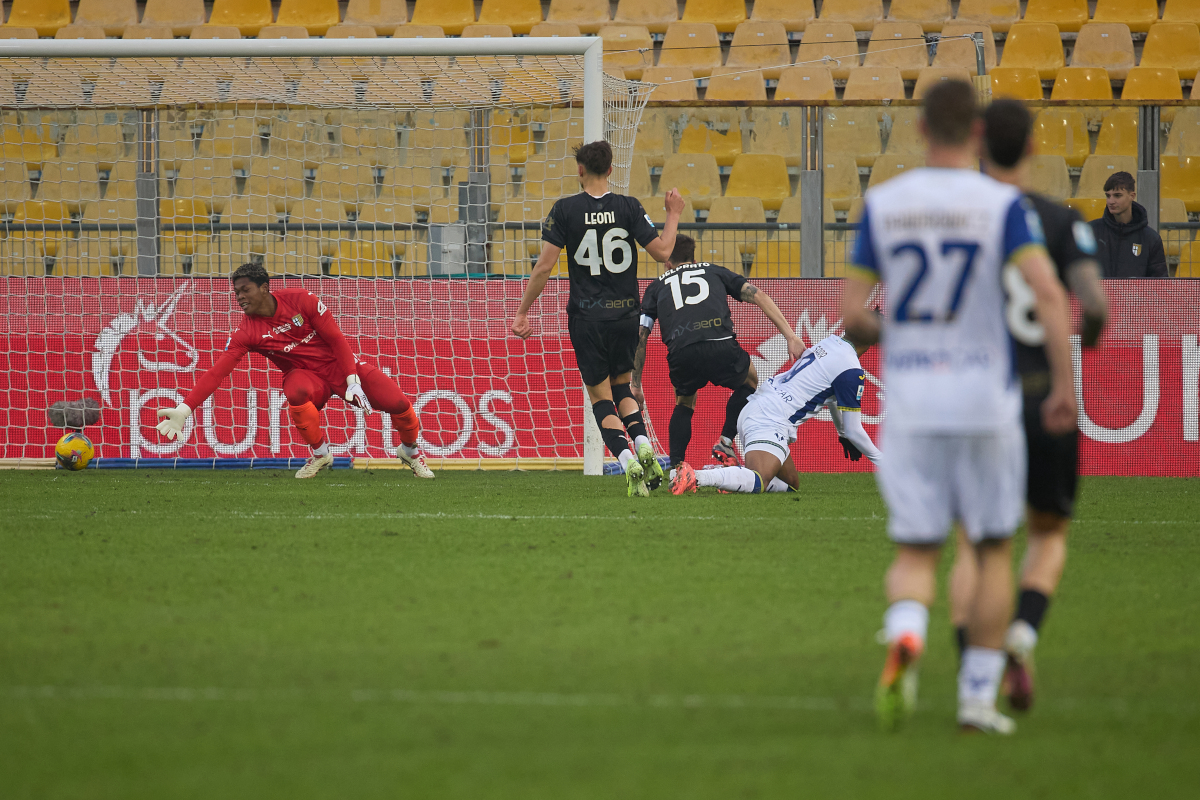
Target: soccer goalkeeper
294	330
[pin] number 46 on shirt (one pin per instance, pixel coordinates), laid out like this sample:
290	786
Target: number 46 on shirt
613	252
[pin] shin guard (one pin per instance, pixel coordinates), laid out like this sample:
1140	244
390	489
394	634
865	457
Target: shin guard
614	438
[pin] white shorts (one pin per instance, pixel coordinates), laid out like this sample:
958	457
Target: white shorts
929	480
764	427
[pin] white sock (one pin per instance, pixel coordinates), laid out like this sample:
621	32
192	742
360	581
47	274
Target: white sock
731	479
638	441
410	450
625	457
906	616
322	450
979	676
777	485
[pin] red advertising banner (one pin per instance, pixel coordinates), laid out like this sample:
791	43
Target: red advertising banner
137	344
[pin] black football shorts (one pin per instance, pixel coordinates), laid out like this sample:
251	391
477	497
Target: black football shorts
603	348
722	363
1053	464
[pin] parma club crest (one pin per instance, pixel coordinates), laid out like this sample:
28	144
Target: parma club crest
298	320
1137	249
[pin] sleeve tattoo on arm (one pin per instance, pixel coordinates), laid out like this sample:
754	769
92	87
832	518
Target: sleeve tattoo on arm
639	357
748	292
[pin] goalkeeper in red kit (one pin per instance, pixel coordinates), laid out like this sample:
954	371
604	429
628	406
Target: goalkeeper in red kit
295	331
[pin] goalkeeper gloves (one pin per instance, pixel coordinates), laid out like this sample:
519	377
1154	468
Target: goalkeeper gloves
172	420
849	450
355	394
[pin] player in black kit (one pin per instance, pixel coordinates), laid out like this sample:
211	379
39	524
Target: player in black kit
690	303
1053	460
596	228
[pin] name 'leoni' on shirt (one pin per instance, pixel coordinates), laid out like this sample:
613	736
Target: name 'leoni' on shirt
599	218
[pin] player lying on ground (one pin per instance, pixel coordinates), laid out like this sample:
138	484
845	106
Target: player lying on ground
826	374
295	331
595	227
1053	458
689	302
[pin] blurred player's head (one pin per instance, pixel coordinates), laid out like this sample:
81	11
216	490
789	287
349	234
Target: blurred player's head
859	344
1120	191
684	252
252	289
594	159
950	119
1006	124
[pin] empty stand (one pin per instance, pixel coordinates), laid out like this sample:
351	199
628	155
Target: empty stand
545	29
890	165
481	31
675	83
1022	83
80	32
316	16
760	175
1139	15
1118	133
1082	83
1189	260
639	178
110	15
1152	83
737	210
1037	45
760	45
1106	45
44	16
1000	15
874	83
931	15
898	44
904	135
853	132
1181	11
589	15
148	32
932	76
1098	169
1068	15
691	44
1172	209
72	183
283	32
1088	207
729	83
382	15
14	184
351	32
695	175
862	14
178	15
656	15
519	15
829	40
628	47
1184	138
842	184
955	51
725	14
1048	175
1173	44
218	32
805	83
794	14
14	32
248	16
776	131
1179	177
450	15
1062	132
419	32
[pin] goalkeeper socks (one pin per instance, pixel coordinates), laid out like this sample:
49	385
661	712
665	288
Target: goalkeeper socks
731	479
321	450
1031	607
410	450
679	433
307	420
407	425
733	409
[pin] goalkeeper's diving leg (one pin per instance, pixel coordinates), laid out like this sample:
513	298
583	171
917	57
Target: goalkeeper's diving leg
306	394
385	395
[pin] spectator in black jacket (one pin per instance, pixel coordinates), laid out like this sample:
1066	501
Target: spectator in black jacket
1126	247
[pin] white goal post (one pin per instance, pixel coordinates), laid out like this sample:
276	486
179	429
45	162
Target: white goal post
136	174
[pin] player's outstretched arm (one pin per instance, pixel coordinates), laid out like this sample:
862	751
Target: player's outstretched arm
173	419
660	248
752	294
533	289
639	361
1083	279
1059	411
853	431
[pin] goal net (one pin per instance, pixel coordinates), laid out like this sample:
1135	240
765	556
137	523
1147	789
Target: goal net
401	181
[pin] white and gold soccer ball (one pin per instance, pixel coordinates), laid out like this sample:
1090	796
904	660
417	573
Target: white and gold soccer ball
73	451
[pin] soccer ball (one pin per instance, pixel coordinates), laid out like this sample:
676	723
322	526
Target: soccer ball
73	451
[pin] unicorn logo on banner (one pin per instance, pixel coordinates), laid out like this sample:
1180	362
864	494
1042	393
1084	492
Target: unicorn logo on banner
108	343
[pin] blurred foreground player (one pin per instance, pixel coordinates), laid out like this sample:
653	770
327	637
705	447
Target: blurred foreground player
294	330
596	226
689	302
938	238
1053	459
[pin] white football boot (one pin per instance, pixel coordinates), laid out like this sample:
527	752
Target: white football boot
315	465
415	462
984	718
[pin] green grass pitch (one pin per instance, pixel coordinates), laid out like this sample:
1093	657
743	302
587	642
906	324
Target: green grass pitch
529	635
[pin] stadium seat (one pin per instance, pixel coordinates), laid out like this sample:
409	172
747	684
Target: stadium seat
777	131
1088	207
1097	169
382	15
1034	44
805	83
80	32
520	15
111	15
14	32
691	44
73	183
1179	176
1172	209
1022	83
639	177
14	184
932	76
481	31
113	212
589	15
833	40
854	132
1184	138
283	32
779	257
1068	15
1118	133
217	32
1139	15
549	29
730	210
760	45
351	32
628	47
675	83
1082	83
363	259
655	15
730	83
1181	11
314	213
892	46
1000	15
760	175
44	16
183	213
905	135
862	14
317	16
248	210
248	16
1106	45
695	175
737	210
148	32
725	14
958	52
450	15
551	178
874	83
1173	44
931	15
1152	83
351	184
795	15
889	166
179	15
842	185
1048	175
419	32
1062	132
1189	260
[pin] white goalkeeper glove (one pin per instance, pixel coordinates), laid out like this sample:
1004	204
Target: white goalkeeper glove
173	419
355	394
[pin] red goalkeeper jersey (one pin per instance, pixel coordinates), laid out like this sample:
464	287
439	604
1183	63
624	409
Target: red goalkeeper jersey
301	335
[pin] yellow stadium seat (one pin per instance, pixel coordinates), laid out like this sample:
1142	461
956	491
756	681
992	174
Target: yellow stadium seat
487	32
1048	175
842	184
1106	45
589	15
148	32
519	15
248	210
794	14
695	175
382	212
14	32
14	184
760	175
829	40
905	136
854	132
1082	83
111	15
639	177
319	219
419	32
691	44
1034	44
1098	169
351	32
955	51
184	213
551	179
862	14
805	83
628	47
363	259
874	83
217	32
1179	176
1139	15
777	131
382	15
1089	208
1152	83
790	211
889	166
1189	260
731	83
113	212
760	45
1062	132
44	16
1068	15
549	29
248	16
1000	15
70	182
674	83
1173	44
735	210
1118	133
932	76
1181	11
351	184
1019	82
178	15
725	14
283	32
450	15
656	208
655	15
1184	138
930	14
779	257
80	32
892	46
1172	209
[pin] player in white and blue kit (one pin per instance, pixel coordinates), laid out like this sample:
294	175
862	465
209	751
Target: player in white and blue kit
828	374
938	239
